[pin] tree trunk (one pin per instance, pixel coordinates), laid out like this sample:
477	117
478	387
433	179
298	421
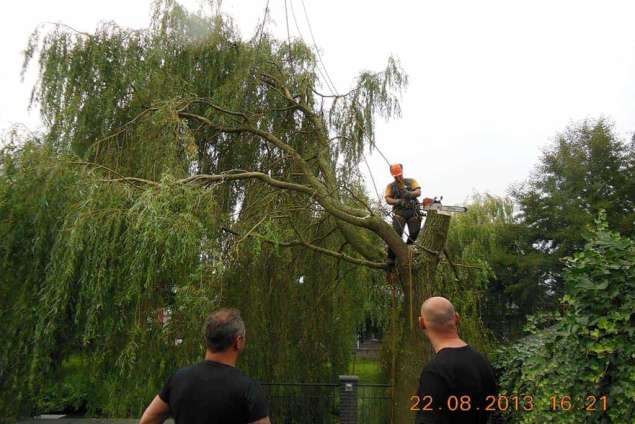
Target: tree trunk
416	281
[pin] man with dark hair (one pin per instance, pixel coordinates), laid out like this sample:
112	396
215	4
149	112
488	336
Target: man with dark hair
455	385
212	391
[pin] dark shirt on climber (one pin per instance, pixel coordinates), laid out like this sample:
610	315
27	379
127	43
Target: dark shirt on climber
405	211
397	190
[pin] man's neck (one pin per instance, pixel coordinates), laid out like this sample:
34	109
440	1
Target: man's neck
228	358
441	342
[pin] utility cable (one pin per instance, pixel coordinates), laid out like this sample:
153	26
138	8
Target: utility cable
326	72
372	178
332	86
297	27
382	155
326	76
286	18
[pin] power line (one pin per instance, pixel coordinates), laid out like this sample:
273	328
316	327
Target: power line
330	81
327	78
297	27
382	155
372	178
261	30
258	35
286	18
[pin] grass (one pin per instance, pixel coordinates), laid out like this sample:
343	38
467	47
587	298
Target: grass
368	371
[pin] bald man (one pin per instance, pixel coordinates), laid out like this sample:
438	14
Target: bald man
454	385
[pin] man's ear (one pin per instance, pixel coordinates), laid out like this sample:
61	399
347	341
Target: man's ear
457	318
422	323
239	344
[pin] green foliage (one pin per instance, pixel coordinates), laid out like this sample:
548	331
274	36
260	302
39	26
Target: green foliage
589	349
368	370
302	307
114	96
72	392
493	242
586	170
119	276
352	117
90	267
84	270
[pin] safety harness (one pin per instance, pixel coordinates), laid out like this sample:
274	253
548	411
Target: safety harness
397	193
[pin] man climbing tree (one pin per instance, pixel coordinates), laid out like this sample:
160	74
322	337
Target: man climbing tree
402	195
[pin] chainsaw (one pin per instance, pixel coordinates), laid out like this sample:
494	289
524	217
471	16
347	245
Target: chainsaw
434	204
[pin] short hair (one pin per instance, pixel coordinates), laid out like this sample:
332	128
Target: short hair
221	329
439	318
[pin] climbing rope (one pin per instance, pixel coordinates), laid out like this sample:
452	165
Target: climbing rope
393	342
410	288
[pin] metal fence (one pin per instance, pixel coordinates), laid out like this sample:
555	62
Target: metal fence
345	402
292	403
374	405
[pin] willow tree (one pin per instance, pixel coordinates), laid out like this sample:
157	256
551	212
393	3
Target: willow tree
187	103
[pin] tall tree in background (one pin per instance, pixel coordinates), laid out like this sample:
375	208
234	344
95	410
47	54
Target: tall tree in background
586	170
508	269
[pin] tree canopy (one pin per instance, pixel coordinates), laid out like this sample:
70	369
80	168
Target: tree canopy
587	169
501	263
182	169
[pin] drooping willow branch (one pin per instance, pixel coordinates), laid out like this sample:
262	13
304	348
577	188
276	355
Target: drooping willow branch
321	187
328	252
322	192
460	265
60	24
120	178
285	185
318	189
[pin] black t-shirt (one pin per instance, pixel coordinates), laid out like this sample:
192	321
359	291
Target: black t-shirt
210	392
454	386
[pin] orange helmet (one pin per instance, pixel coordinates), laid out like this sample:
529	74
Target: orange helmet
396	169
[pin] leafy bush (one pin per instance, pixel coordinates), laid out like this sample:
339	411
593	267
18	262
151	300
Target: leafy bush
589	349
72	393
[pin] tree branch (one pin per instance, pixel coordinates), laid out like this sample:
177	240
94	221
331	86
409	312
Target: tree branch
328	252
364	262
336	96
214	106
206	178
120	178
347	214
132	180
447	256
68	27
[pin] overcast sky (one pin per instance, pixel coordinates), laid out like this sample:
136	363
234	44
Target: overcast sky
491	82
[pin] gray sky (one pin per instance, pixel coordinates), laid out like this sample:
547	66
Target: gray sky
491	82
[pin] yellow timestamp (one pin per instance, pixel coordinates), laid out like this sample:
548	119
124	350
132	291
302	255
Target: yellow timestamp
465	403
592	403
504	403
